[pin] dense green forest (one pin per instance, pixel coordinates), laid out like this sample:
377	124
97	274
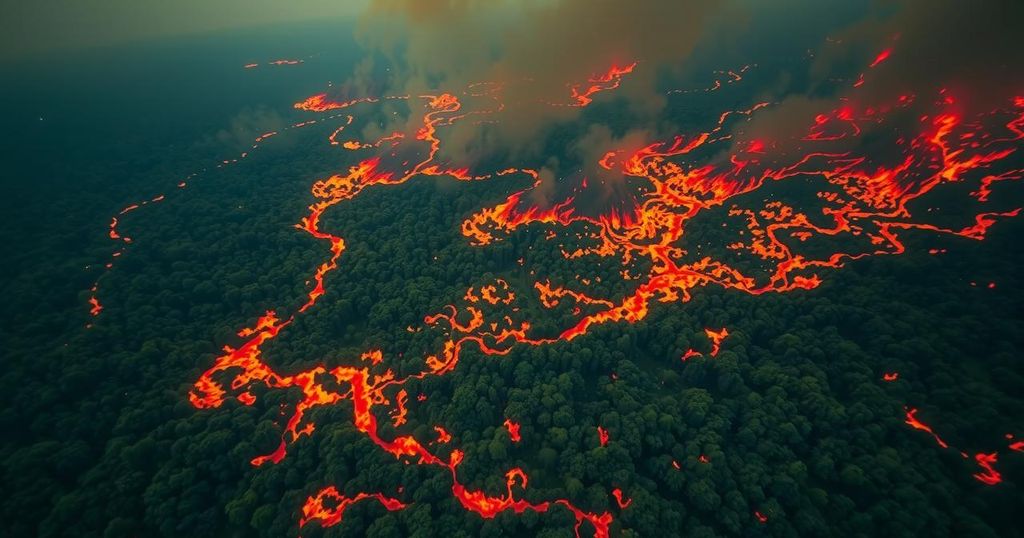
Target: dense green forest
793	415
791	428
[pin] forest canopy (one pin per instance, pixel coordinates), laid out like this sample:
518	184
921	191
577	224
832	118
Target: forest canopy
642	286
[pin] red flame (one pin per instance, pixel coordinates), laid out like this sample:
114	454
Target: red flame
623	503
988	475
96	306
691	353
859	199
882	56
583	94
443	436
716	339
316	509
917	424
513	430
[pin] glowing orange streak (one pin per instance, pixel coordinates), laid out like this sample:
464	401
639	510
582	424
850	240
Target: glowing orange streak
316	508
513	430
988	475
602	436
338	188
985	188
893	376
609	80
882	56
734	76
333	138
96	306
916	424
113	233
442	435
550	296
716	339
623	503
321	103
399	414
354	145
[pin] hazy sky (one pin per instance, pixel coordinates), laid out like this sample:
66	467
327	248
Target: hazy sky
31	27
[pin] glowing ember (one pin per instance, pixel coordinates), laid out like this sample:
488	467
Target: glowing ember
988	475
582	94
716	338
882	56
690	353
513	430
316	508
442	435
918	425
96	306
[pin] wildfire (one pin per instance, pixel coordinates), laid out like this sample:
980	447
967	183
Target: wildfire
716	338
864	203
582	94
882	56
918	425
316	508
622	502
96	306
988	475
513	430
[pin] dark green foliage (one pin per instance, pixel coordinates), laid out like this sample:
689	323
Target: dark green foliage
792	413
100	439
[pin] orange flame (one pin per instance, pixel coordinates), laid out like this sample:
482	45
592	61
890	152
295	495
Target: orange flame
513	430
623	503
859	199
